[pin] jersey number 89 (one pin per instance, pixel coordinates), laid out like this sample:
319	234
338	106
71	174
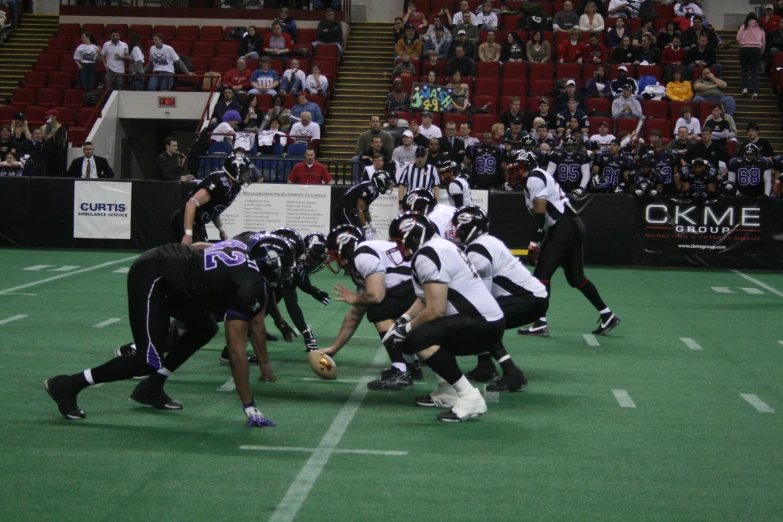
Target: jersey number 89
485	165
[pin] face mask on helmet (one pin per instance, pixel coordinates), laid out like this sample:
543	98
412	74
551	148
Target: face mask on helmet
469	223
409	230
340	247
237	169
446	170
420	200
315	252
728	188
382	182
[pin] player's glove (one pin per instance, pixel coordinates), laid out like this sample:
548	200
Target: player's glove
507	187
578	193
532	254
367	233
321	296
396	335
287	332
256	419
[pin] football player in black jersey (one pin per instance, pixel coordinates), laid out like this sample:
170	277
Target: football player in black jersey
751	173
228	279
611	169
354	207
666	163
700	180
208	200
530	144
456	180
570	167
646	181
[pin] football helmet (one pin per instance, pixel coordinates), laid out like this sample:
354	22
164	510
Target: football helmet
419	200
750	152
274	256
446	170
600	183
469	223
341	245
295	238
648	164
698	194
410	230
643	187
727	188
315	252
462	171
238	169
382	181
570	144
529	142
521	163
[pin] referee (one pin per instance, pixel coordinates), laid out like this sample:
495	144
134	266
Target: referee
418	175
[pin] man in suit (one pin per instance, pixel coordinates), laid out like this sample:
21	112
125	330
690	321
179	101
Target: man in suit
90	166
450	145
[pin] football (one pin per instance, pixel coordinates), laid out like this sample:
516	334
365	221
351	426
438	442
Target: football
322	365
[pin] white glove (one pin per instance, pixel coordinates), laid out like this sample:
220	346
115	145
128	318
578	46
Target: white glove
256	419
368	236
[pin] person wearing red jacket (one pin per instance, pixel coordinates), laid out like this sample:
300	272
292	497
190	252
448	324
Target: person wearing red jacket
277	44
594	52
674	54
239	78
310	172
570	50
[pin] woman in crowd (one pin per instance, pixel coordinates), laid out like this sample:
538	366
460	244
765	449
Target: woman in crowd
489	51
86	56
460	94
136	61
251	44
752	41
591	20
277	112
398	100
316	82
251	114
287	24
616	33
432	79
512	50
599	86
666	35
267	139
538	49
679	89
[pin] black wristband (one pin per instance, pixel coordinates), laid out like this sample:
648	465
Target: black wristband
538	227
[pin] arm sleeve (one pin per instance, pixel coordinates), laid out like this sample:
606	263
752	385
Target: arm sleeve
585	176
768	182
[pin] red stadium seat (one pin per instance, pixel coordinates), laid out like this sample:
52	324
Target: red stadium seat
73	98
588	70
48	62
87	116
541	71
122	28
67	63
221	65
306	36
480	100
572	71
307	46
487	86
511	22
188	32
168	31
143	30
7	113
533	102
94	29
656	109
34	79
626	124
705	110
60	80
24	97
327	51
264	101
35	115
675	109
59	46
227	49
49	97
483	123
66	115
203	49
69	31
649	70
514	87
487	70
327	66
200	64
664	10
183	47
598	104
541	87
595	122
663	125
407	82
211	33
78	135
515	70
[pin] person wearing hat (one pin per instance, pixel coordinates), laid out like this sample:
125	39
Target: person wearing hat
626	105
603	138
89	166
227	102
393	127
438	43
52	125
561	102
20	131
622	80
461	40
410	43
512	138
770	20
418	175
427	128
471	30
304	105
405	153
545	113
442	22
419	139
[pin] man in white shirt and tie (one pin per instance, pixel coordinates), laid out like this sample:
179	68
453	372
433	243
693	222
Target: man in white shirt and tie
90	166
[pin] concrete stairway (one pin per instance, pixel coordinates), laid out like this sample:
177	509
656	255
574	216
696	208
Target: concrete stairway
21	52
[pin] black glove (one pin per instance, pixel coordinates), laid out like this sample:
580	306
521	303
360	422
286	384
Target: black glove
321	296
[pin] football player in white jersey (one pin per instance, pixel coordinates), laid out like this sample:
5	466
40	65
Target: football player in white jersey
454	314
424	201
454	178
557	239
384	291
522	297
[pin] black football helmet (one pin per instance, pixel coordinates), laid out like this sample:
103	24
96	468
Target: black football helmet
315	252
644	188
462	171
698	194
341	245
294	237
529	142
382	181
521	163
419	200
446	170
410	230
274	256
728	189
599	183
238	169
570	144
751	152
469	223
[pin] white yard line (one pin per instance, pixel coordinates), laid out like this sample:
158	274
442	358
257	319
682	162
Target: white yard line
624	399
12	318
591	340
757	403
66	268
753	291
37	267
107	322
762	285
722	289
67	274
690	343
123	270
310	450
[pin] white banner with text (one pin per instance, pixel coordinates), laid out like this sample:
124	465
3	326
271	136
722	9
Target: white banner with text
102	210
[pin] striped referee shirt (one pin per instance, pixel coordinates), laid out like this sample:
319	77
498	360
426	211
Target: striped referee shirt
414	177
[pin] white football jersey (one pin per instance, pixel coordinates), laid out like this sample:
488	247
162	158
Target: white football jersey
541	185
459	186
371	258
441	261
502	273
441	217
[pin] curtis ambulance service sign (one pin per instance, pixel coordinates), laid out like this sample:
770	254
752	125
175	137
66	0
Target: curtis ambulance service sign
102	210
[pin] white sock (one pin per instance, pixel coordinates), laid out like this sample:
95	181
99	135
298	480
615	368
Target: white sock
88	377
164	372
542	319
133	345
505	358
441	379
605	311
463	386
410	359
401	366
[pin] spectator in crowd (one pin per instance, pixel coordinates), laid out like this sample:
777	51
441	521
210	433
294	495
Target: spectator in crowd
691	36
405	67
114	54
136	64
399	29
304	105
438	22
86	56
310	171
561	102
89	166
762	143
720	128
414	17
623	53
52	125
450	145
537	49
444	14
513	50
427	128
547	116
264	79
460	94
703	55
622	80
594	52
13	5
648	27
7	143
462	41
461	63
163	59
306	130
566	19
293	79
277	44
599	86
251	114
393	127
10	165
316	83
646	53
376	147
497	132
486	18
438	43
514	111
489	51
621	9
603	138
268	138
775	45
673	56
365	140
31	147
591	20
512	138
227	129
626	105
251	44
679	89
752	42
729	119
286	23
712	89
682	142
20	130
238	78
330	32
227	102
709	150
432	79
465	131
779	8
666	36
406	152
376	165
543	136
170	164
277	112
397	99
688	122
572	111
419	139
434	64
459	16
410	43
770	21
615	34
570	49
471	30
434	156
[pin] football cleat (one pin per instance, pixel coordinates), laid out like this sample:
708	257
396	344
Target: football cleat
539	329
414	369
396	381
151	395
444	396
271	338
125	350
225	360
483	373
465	408
606	326
61	392
508	383
309	340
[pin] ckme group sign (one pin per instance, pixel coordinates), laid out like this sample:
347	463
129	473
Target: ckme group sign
102	210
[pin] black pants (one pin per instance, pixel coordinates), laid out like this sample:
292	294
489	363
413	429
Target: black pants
398	300
178	228
522	310
289	295
344	216
563	247
459	334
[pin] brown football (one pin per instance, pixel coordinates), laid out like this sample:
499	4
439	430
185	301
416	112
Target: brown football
323	365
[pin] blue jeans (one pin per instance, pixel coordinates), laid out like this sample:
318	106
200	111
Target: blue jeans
286	86
162	80
87	76
12	4
113	82
728	101
750	59
339	46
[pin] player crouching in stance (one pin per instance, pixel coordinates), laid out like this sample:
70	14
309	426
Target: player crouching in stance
354	207
229	278
522	297
454	314
557	238
384	291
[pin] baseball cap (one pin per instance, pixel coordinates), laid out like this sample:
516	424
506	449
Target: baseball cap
516	121
421	152
543	101
604	124
426	114
52	112
303	93
570	82
461	31
769	6
392	114
622	68
407	134
409	26
628	86
19	116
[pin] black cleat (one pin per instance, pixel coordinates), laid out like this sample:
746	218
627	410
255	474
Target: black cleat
425	402
508	383
606	326
154	396
225	360
309	339
397	380
60	390
414	369
125	350
537	329
483	373
465	408
271	338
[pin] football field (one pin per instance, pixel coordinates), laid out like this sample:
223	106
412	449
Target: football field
673	416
